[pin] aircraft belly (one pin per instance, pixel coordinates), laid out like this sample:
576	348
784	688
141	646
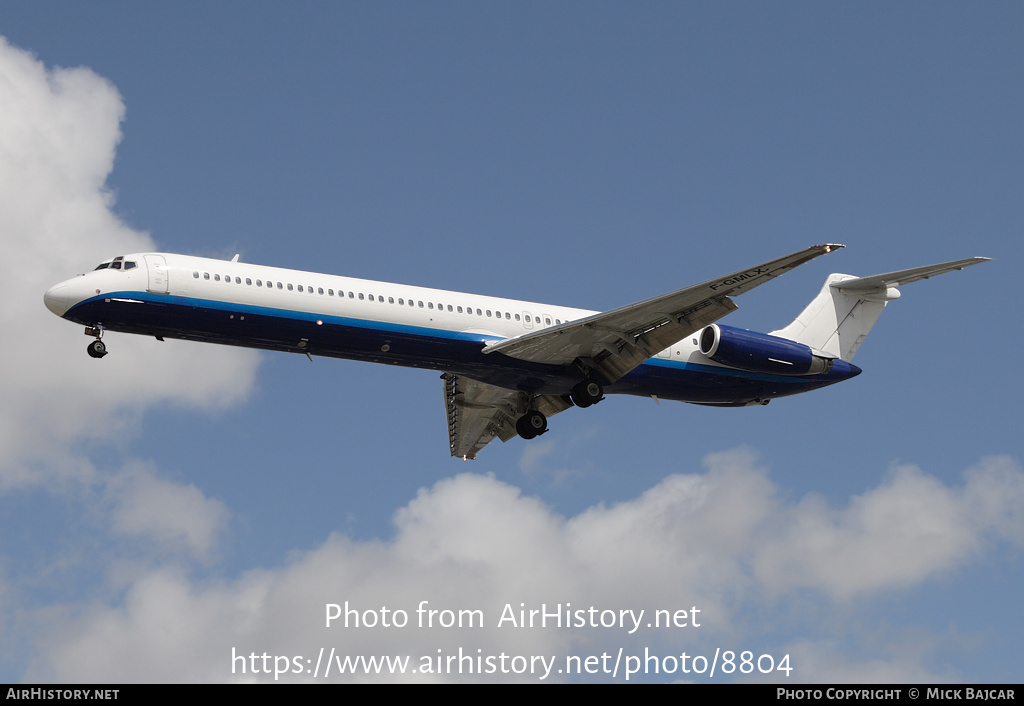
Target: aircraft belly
709	384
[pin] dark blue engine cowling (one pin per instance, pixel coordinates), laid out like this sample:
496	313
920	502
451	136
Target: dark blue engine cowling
760	353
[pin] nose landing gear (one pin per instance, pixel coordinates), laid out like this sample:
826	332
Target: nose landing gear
96	349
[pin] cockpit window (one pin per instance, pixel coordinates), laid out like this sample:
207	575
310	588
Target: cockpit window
116	264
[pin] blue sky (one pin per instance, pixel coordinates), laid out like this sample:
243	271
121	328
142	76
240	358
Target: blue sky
173	501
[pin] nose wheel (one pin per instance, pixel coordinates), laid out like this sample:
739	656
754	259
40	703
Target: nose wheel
96	349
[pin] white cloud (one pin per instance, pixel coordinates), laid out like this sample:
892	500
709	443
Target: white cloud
721	540
179	518
895	535
58	132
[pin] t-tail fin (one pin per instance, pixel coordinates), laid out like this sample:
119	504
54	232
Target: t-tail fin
838	320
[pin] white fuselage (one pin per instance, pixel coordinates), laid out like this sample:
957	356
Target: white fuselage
471	316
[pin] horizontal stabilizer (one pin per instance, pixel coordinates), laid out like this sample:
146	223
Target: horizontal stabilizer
895	279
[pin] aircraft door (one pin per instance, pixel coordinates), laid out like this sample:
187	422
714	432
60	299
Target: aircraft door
157	273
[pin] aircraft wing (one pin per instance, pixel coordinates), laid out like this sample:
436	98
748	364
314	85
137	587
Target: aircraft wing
617	341
478	412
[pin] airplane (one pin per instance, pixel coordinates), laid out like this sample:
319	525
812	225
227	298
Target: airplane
507	366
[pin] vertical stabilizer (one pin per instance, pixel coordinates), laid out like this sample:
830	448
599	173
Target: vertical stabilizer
838	320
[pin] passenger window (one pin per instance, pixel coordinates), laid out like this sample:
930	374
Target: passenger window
280	285
259	283
196	274
320	290
330	292
361	297
391	300
430	305
421	304
206	275
216	278
289	286
401	301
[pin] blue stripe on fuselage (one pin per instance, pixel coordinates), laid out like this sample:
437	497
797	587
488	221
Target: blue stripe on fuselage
419	346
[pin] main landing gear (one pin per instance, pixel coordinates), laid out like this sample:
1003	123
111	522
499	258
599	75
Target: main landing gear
531	424
584	394
587	393
96	349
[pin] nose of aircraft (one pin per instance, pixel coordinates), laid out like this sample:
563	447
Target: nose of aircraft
56	299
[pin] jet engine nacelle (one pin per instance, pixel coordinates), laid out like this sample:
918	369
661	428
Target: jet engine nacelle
760	353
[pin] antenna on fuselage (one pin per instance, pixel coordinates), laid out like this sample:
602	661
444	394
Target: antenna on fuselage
235	258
